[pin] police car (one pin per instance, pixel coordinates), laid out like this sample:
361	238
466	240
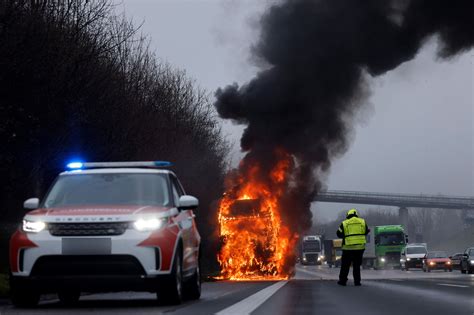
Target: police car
113	226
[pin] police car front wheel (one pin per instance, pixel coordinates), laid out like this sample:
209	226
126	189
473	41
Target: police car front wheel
171	290
69	297
22	295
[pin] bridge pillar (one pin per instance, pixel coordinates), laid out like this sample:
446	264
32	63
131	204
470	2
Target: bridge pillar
403	218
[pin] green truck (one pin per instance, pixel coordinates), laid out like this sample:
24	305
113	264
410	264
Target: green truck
384	245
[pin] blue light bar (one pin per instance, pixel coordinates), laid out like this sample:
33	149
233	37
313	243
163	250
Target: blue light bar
85	165
163	164
75	165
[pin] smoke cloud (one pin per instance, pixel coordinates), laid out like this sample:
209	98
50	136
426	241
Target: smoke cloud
315	59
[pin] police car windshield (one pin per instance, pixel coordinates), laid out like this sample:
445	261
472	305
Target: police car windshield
109	189
416	250
391	239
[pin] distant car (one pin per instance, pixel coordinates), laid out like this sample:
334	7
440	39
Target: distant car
110	226
437	261
467	262
412	256
456	260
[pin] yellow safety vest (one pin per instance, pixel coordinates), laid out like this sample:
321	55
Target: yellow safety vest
354	233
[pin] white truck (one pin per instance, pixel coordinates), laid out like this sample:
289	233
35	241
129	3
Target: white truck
312	250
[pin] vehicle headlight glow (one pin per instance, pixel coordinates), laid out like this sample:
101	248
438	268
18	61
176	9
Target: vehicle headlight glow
149	224
33	226
432	263
322	257
408	259
448	263
382	259
472	262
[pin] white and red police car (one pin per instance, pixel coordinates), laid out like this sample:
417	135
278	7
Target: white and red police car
112	226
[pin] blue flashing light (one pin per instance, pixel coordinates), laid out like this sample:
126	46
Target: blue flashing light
75	165
162	163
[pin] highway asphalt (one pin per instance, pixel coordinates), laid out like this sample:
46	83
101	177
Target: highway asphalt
312	291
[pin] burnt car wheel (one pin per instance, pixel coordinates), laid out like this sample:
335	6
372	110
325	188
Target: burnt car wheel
171	291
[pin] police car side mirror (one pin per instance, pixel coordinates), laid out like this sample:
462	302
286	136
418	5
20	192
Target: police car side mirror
187	202
31	204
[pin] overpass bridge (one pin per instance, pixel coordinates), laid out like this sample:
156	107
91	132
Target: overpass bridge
397	200
403	201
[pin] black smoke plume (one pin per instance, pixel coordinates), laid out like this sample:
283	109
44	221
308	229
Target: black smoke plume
315	57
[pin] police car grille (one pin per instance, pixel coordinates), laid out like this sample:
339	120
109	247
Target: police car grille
88	229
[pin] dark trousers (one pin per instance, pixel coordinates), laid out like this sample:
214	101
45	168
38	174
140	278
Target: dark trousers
349	257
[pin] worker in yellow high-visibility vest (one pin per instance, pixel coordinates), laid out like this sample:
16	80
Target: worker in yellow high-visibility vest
352	231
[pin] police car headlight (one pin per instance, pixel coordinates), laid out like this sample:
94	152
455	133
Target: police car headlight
151	224
33	226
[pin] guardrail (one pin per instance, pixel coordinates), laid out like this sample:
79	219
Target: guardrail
397	200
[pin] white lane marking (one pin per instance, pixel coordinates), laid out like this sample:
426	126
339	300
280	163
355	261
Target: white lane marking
248	305
453	285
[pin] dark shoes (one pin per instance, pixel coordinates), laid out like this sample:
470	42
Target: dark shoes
341	283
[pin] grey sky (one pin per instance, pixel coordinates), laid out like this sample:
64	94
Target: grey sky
417	137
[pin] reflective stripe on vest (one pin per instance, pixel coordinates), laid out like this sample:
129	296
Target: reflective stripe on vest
354	231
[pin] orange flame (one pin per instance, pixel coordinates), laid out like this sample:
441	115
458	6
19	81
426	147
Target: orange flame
256	243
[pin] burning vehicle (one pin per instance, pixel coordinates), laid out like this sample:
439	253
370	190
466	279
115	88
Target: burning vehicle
256	244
